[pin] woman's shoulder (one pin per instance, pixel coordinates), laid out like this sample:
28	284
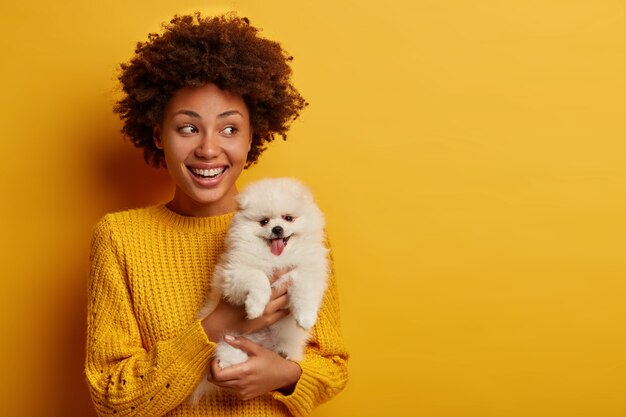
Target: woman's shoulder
130	216
128	220
159	217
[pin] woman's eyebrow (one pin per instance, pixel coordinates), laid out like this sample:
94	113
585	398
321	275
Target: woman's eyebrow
188	113
229	113
195	115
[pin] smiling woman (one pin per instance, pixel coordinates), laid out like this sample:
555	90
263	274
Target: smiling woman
202	99
205	135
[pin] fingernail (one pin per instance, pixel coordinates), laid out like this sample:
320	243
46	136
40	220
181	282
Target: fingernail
229	338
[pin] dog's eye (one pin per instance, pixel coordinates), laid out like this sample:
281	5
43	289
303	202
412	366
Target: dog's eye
264	222
288	218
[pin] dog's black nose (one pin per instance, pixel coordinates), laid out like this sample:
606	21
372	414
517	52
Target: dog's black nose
277	230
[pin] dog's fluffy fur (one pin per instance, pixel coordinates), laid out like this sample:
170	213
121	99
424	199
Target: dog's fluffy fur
277	226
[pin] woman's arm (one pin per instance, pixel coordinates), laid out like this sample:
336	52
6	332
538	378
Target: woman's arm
264	371
232	318
125	378
300	386
325	365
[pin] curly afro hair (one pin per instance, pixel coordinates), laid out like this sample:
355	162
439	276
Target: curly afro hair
195	50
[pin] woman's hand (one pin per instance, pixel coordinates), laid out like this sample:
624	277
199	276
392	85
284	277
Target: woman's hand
264	371
227	318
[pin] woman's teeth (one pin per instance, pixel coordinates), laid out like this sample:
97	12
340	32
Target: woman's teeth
208	173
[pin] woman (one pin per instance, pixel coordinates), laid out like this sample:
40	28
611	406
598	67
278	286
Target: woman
202	99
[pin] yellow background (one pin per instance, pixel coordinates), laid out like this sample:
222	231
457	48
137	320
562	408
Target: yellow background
469	156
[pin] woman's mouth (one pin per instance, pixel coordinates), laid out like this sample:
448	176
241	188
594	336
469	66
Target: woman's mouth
207	177
207	173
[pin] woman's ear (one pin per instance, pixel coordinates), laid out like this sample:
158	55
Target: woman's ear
156	136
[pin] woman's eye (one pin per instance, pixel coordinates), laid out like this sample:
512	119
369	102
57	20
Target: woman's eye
230	130
187	130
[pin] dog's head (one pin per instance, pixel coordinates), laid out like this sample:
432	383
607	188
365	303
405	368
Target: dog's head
280	211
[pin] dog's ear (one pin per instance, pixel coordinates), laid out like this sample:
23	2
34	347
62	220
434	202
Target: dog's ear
304	194
296	188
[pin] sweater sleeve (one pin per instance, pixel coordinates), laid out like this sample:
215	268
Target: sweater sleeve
124	378
325	365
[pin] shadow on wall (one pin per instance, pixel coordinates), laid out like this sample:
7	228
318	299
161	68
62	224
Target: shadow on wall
116	178
123	178
74	399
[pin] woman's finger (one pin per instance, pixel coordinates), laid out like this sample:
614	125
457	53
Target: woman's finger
222	377
279	303
243	343
278	290
265	320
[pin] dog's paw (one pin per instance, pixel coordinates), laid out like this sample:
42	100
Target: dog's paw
255	306
283	280
306	320
228	355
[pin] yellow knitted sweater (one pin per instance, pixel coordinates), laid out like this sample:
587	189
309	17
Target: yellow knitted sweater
146	351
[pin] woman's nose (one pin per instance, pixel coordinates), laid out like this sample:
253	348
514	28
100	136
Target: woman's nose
208	147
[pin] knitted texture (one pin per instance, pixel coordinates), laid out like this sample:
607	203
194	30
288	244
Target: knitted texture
146	351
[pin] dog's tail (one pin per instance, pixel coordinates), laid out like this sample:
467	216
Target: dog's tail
204	390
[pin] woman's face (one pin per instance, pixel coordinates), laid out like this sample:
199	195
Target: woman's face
205	135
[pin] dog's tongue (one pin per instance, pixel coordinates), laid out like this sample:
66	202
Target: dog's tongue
277	246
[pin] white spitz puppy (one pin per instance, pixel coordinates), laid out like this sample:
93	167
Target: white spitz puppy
277	226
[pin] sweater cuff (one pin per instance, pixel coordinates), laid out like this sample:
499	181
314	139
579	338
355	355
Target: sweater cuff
193	348
302	400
